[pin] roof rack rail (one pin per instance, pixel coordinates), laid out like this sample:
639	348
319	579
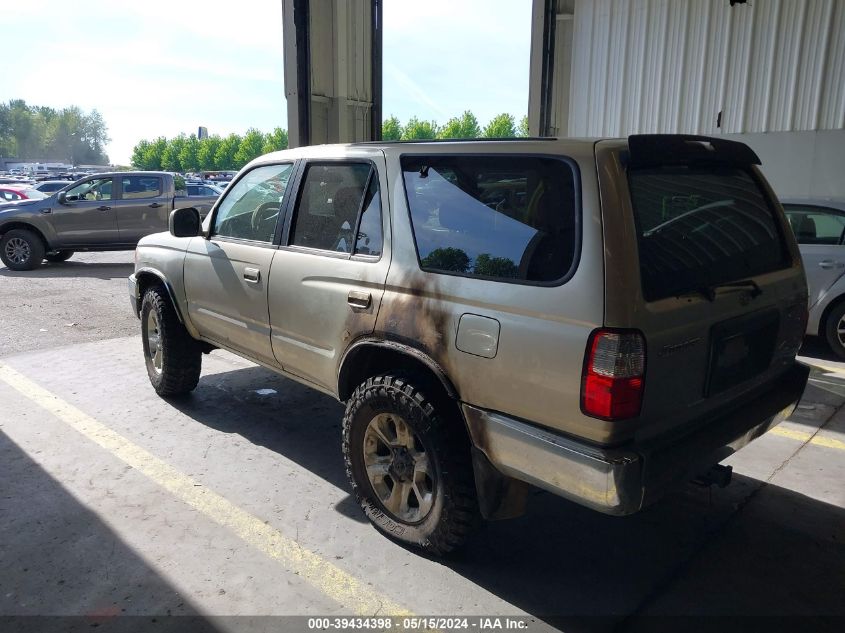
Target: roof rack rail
457	140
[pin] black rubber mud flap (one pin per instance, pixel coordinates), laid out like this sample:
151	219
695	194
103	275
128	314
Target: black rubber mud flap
499	496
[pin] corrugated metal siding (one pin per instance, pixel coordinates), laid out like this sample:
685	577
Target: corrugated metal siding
641	66
341	96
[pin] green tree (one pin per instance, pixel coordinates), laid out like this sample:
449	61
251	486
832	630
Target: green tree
139	153
91	138
189	154
416	129
522	130
6	130
25	126
464	126
40	132
153	154
275	141
501	126
391	129
449	258
225	156
207	152
249	148
490	266
170	158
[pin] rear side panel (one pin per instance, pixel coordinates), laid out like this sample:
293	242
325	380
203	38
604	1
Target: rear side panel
707	348
515	348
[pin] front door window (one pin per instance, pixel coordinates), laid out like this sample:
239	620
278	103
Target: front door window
251	207
95	189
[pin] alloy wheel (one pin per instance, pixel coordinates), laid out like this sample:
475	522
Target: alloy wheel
154	341
398	468
18	250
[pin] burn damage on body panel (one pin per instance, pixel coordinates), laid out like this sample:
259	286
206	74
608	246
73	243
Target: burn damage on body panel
414	313
410	318
418	320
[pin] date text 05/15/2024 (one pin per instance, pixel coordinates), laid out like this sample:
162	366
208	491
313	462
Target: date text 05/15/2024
420	623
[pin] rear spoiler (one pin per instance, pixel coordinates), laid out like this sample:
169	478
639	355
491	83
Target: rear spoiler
654	150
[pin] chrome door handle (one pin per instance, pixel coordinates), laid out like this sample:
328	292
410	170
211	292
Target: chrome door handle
829	263
104	208
358	299
252	275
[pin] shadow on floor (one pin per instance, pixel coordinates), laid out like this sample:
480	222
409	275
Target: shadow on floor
701	552
94	270
64	569
816	347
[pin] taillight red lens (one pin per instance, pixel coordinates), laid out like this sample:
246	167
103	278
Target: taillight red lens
612	385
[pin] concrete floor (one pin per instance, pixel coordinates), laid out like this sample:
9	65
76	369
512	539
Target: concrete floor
231	505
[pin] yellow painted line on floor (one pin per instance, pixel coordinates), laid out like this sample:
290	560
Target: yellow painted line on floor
354	594
824	367
804	436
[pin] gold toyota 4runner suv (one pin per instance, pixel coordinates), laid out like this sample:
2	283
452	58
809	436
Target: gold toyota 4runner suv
603	319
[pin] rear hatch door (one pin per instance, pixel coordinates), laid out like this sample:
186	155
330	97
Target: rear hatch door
700	259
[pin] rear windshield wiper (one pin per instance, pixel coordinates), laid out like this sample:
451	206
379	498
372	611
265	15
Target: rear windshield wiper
709	292
756	291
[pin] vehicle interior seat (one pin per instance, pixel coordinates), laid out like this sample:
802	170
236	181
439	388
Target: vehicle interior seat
549	254
806	232
347	200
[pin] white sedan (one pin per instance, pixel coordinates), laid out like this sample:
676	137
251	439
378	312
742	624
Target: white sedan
819	227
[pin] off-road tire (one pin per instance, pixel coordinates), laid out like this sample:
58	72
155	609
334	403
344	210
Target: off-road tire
454	514
57	257
26	239
831	327
181	354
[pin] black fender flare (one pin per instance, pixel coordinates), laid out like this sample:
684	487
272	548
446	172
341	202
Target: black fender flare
152	272
396	347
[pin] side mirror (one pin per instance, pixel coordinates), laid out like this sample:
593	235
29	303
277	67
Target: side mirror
62	197
184	222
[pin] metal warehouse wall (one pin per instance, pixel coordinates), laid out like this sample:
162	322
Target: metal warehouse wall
674	65
332	70
808	164
341	95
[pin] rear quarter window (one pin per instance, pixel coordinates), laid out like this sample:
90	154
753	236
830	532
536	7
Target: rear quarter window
699	227
503	218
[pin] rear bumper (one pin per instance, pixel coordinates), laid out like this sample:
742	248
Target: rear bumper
622	481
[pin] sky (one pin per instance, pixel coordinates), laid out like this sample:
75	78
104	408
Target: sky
164	67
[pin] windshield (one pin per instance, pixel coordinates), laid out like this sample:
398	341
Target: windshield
700	227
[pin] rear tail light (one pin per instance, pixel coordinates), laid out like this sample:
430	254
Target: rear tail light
614	370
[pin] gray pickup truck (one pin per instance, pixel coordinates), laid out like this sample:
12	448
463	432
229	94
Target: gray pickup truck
101	212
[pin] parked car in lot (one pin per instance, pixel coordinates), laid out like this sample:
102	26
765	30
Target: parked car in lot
819	227
202	197
51	186
603	319
13	193
102	212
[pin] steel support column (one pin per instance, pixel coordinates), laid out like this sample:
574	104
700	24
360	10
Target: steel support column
333	57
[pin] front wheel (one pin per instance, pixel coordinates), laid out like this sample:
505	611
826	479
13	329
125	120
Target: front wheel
409	465
834	330
58	256
21	249
173	357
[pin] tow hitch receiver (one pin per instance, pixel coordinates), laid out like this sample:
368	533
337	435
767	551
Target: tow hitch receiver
717	475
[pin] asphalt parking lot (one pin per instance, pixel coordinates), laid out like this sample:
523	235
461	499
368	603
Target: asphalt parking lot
231	505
